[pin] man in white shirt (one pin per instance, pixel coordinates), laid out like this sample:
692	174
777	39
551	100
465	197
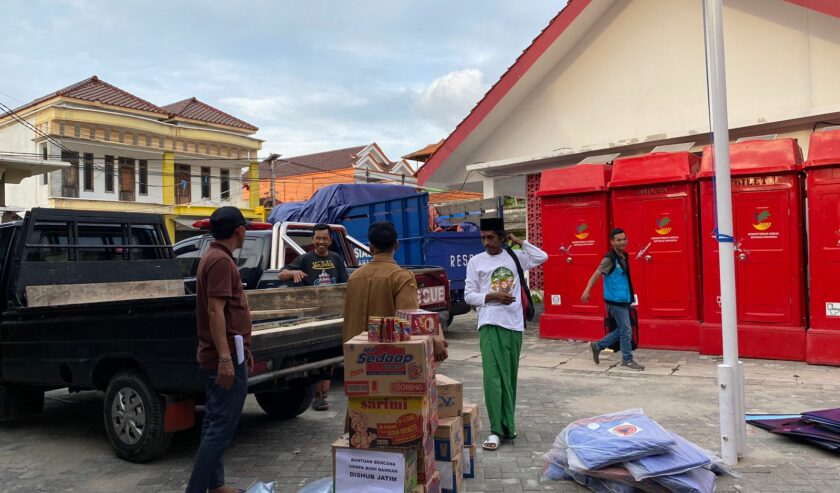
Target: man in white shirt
494	287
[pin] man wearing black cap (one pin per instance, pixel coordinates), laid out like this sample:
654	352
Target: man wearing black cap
495	288
222	314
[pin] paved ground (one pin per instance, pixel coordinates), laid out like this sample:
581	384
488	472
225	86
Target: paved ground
66	448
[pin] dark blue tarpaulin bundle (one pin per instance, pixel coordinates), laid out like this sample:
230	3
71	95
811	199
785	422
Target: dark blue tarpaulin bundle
330	203
820	428
628	451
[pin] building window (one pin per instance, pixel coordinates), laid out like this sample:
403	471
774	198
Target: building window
88	162
205	182
126	173
77	131
148	141
144	177
225	184
109	174
107	134
183	188
70	175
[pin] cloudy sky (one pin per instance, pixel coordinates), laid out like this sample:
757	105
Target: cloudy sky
313	75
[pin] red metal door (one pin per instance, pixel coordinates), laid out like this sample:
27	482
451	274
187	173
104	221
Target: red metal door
765	256
824	213
661	247
575	245
710	255
669	280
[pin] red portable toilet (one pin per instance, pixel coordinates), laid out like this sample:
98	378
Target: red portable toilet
767	211
823	171
654	199
575	221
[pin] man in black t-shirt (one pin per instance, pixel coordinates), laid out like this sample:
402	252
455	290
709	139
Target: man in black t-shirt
319	267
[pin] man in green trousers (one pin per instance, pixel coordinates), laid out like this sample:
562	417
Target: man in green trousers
494	287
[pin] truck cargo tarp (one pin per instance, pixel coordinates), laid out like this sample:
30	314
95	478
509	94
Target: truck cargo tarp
330	203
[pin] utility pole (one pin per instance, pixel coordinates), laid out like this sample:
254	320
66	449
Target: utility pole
731	371
271	160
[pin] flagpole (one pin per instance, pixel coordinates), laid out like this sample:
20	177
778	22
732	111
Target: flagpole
730	372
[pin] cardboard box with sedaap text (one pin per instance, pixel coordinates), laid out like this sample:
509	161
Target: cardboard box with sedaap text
389	369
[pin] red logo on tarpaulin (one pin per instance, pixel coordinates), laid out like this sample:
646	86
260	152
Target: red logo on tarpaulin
625	429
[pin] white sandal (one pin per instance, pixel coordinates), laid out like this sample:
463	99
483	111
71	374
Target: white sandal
492	443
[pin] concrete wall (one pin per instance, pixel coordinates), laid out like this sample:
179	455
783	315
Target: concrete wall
639	76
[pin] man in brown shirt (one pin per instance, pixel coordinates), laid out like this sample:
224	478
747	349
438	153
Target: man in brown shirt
381	287
222	313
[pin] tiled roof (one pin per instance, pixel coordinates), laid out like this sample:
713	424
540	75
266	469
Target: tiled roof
194	109
313	163
96	90
424	153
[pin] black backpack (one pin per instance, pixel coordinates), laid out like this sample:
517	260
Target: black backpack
527	306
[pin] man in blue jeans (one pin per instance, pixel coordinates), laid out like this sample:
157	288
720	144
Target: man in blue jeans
618	296
222	314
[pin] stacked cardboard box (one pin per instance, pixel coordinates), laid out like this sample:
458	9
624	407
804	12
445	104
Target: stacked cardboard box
469	415
392	402
456	436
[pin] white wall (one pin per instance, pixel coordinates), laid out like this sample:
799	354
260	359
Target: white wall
29	192
639	76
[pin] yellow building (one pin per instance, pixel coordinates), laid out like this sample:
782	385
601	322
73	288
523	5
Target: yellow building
182	160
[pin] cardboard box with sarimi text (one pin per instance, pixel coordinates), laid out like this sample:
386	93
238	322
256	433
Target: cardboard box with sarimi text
450	399
449	439
390	421
360	467
472	424
451	474
388	369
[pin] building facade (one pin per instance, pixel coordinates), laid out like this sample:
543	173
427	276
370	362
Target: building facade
182	160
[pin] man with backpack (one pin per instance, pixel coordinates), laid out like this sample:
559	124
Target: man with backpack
618	296
496	286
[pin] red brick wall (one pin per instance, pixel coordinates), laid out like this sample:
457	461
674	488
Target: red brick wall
535	276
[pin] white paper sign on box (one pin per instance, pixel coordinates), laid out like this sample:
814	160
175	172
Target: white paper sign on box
367	471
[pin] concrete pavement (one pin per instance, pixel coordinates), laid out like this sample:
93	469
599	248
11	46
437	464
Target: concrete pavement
66	448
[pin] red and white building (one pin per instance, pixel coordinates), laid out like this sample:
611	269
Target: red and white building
610	78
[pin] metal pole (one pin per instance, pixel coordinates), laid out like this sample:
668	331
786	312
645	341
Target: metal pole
271	173
730	373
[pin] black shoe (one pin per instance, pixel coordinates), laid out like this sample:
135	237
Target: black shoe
593	346
632	365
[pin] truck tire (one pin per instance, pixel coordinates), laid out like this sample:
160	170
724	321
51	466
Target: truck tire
287	404
134	415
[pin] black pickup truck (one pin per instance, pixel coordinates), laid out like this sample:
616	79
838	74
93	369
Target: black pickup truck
95	301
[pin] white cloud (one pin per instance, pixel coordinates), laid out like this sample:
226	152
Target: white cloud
448	99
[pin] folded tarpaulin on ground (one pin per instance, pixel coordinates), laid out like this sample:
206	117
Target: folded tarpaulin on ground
789	425
680	458
612	478
827	418
613	438
700	480
807	430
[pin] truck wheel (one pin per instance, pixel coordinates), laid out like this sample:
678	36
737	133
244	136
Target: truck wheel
134	418
287	404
